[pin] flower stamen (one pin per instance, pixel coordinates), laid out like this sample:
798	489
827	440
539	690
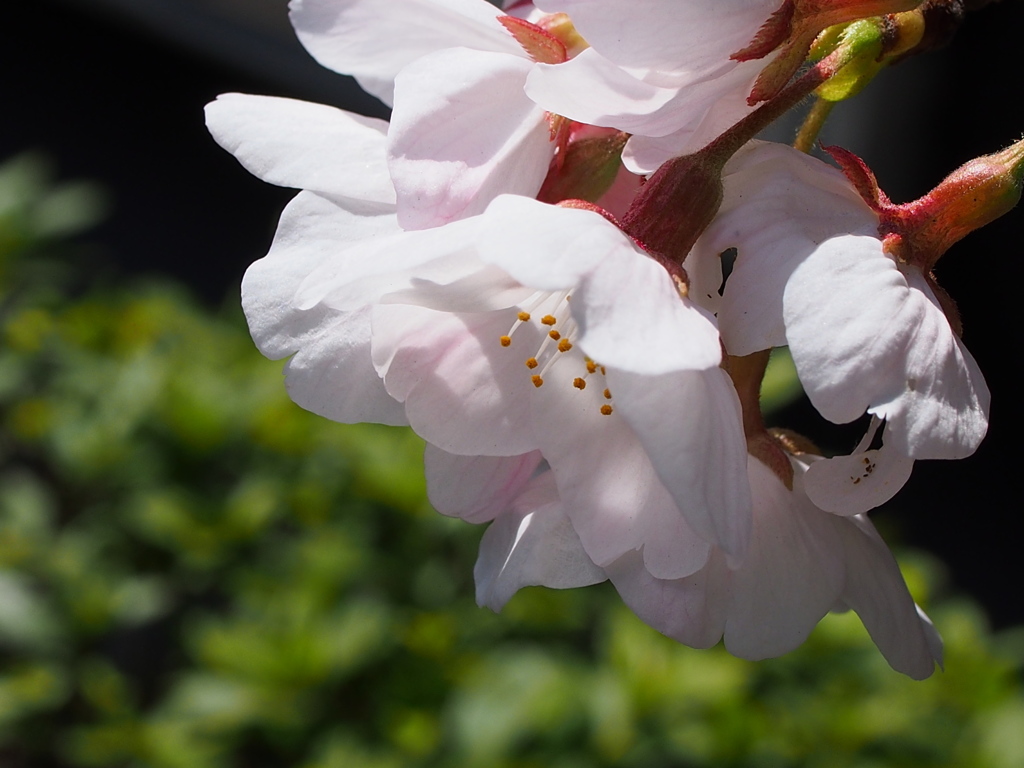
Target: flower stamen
559	328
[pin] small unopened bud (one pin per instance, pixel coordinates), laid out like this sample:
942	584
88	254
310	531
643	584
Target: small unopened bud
975	194
875	43
677	204
792	29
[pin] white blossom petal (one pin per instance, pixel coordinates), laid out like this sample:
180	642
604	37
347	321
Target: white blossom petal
689	422
532	544
462	391
702	122
462	133
779	205
691	610
365	271
666	36
305	146
373	40
608	485
881	343
331	372
792	575
850	485
593	90
876	591
476	488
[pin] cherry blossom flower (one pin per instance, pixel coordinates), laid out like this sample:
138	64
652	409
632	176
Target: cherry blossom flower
570	385
531	327
599	364
866	330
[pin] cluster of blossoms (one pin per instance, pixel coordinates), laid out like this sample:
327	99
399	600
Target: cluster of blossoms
525	266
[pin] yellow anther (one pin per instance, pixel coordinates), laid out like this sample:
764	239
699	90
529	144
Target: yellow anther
606	410
505	341
531	363
524	316
579	383
607	394
591	366
564	345
603	371
548	320
554	335
537	380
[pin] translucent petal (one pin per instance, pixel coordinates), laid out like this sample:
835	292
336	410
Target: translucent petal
462	133
533	543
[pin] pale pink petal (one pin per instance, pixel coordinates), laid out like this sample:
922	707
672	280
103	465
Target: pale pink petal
849	485
591	89
666	35
373	40
689	422
331	372
631	317
363	272
867	336
462	133
571	242
462	390
629	312
531	544
689	112
459	284
476	488
876	591
645	154
305	146
608	485
690	610
793	573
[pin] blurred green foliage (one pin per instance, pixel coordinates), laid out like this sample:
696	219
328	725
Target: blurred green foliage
194	573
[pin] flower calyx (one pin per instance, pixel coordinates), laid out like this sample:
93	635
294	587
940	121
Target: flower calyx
920	232
792	29
677	204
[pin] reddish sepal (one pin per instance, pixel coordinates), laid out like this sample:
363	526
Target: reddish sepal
539	44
